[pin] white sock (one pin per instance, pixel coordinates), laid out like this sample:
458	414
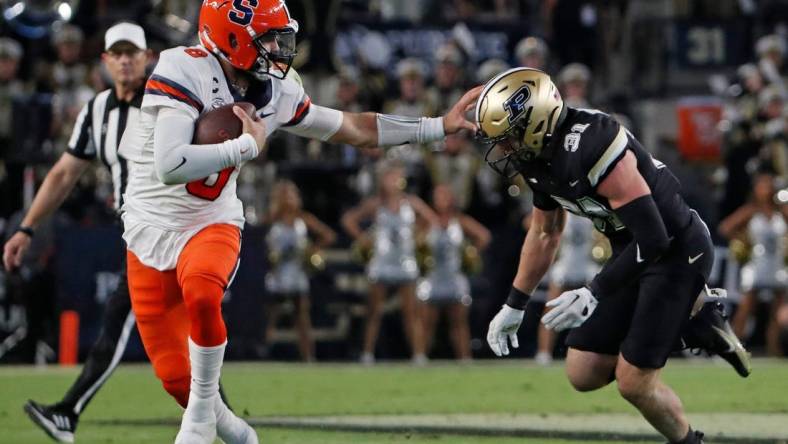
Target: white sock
206	365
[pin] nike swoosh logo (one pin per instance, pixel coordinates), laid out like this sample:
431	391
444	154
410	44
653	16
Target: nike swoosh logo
264	115
244	151
729	338
638	258
183	160
693	259
572	184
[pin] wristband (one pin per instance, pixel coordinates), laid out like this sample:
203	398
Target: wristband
431	129
399	130
27	230
517	299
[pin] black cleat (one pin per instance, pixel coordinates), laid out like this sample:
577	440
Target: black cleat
709	330
59	425
693	437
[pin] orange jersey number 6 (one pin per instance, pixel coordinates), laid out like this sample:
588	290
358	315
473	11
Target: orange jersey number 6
205	190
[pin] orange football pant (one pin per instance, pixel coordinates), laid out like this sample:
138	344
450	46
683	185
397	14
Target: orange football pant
173	305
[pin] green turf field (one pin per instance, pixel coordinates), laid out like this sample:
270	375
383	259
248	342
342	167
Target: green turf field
132	408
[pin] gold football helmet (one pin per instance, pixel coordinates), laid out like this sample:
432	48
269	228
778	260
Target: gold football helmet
516	113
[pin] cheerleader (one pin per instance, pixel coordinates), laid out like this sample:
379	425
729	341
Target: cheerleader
392	268
573	268
763	223
289	250
445	289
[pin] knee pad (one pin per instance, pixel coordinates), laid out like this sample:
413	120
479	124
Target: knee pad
202	293
203	298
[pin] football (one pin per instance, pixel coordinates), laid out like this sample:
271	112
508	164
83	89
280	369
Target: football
220	124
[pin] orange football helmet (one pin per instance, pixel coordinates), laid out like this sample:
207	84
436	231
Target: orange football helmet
256	36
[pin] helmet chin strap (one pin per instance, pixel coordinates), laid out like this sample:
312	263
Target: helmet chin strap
547	147
263	75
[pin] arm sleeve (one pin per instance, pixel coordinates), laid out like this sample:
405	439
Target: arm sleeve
318	123
81	142
650	241
179	161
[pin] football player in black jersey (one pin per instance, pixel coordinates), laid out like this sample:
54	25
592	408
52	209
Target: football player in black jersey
638	309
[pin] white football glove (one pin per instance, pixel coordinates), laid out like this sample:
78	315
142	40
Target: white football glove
570	309
504	326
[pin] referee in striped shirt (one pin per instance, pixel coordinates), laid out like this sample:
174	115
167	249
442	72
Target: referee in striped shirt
96	135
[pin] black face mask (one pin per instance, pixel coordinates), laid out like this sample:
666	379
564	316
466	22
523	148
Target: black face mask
509	164
506	153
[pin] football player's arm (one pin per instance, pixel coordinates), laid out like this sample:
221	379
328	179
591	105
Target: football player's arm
539	247
56	187
369	130
58	183
630	198
177	160
538	251
325	235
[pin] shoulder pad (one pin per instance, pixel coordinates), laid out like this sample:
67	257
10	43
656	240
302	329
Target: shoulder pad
294	76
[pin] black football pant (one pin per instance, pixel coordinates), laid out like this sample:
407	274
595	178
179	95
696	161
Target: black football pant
107	351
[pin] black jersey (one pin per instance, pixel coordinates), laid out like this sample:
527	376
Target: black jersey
583	151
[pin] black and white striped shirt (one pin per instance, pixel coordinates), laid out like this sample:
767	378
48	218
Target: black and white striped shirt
97	133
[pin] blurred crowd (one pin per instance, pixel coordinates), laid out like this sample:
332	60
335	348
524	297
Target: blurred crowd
431	224
754	208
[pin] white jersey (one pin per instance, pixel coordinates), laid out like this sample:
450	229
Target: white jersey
160	219
288	243
766	268
575	266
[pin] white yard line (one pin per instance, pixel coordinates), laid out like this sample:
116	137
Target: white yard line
730	427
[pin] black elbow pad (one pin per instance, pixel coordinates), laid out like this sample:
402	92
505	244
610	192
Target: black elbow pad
642	218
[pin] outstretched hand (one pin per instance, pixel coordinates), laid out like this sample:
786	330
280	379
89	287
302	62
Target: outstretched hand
455	119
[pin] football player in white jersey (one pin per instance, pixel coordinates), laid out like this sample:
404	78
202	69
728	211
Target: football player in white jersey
182	217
